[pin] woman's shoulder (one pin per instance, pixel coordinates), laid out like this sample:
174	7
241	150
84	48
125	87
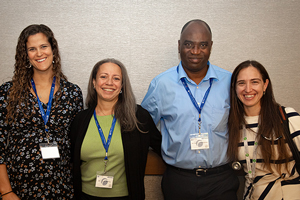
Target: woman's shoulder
290	110
68	85
6	86
141	111
292	114
142	114
86	111
293	118
84	114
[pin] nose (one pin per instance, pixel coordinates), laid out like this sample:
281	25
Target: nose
109	81
196	49
39	52
248	88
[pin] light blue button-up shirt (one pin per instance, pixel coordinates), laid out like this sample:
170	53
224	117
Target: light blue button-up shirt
169	103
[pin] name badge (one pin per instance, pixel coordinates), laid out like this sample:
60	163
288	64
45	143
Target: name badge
199	141
49	150
104	180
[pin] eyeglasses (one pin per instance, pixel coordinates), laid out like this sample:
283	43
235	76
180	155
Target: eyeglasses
270	139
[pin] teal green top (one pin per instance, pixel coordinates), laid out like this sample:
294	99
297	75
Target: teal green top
93	154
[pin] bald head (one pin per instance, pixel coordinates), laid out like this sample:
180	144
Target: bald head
197	21
194	47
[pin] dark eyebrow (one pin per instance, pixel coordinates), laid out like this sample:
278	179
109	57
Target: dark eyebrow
256	79
202	42
116	75
40	45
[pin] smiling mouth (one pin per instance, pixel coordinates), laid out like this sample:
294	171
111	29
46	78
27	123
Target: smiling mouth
41	60
249	96
195	60
108	90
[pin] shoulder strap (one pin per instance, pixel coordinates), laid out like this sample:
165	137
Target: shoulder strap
288	137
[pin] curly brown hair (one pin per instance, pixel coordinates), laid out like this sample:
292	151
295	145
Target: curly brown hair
18	93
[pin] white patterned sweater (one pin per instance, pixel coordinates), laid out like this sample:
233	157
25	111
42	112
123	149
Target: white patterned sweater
267	185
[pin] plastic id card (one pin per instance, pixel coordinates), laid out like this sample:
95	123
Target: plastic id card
199	141
104	180
49	150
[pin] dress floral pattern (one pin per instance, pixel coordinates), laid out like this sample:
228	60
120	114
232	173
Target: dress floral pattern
32	177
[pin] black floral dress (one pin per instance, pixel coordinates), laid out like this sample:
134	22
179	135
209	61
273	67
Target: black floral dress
32	177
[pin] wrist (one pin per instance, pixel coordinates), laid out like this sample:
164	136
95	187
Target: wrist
3	194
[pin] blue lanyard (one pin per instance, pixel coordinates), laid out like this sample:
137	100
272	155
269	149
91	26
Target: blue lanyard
194	100
45	116
105	143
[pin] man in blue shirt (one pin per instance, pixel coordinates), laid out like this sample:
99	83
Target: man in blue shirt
191	103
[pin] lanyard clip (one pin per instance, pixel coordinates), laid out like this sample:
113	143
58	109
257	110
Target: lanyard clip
199	124
105	164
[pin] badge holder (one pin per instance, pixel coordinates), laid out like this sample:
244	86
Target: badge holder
104	179
199	141
49	150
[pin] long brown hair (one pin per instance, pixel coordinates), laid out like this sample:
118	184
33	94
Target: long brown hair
18	93
270	123
125	108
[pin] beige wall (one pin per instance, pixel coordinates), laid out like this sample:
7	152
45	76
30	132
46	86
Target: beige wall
143	34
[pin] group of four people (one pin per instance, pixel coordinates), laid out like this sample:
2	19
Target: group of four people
208	118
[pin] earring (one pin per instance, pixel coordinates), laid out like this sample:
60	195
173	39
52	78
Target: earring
53	61
121	92
264	92
28	66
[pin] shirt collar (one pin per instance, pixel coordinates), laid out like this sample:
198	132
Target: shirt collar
209	74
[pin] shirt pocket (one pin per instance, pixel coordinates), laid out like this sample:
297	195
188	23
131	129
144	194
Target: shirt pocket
220	121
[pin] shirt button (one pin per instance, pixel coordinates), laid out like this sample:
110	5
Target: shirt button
197	87
198	151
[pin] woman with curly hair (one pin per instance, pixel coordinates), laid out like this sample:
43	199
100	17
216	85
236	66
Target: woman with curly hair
36	110
257	138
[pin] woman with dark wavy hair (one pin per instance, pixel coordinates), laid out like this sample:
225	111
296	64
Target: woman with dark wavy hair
37	107
110	140
256	135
